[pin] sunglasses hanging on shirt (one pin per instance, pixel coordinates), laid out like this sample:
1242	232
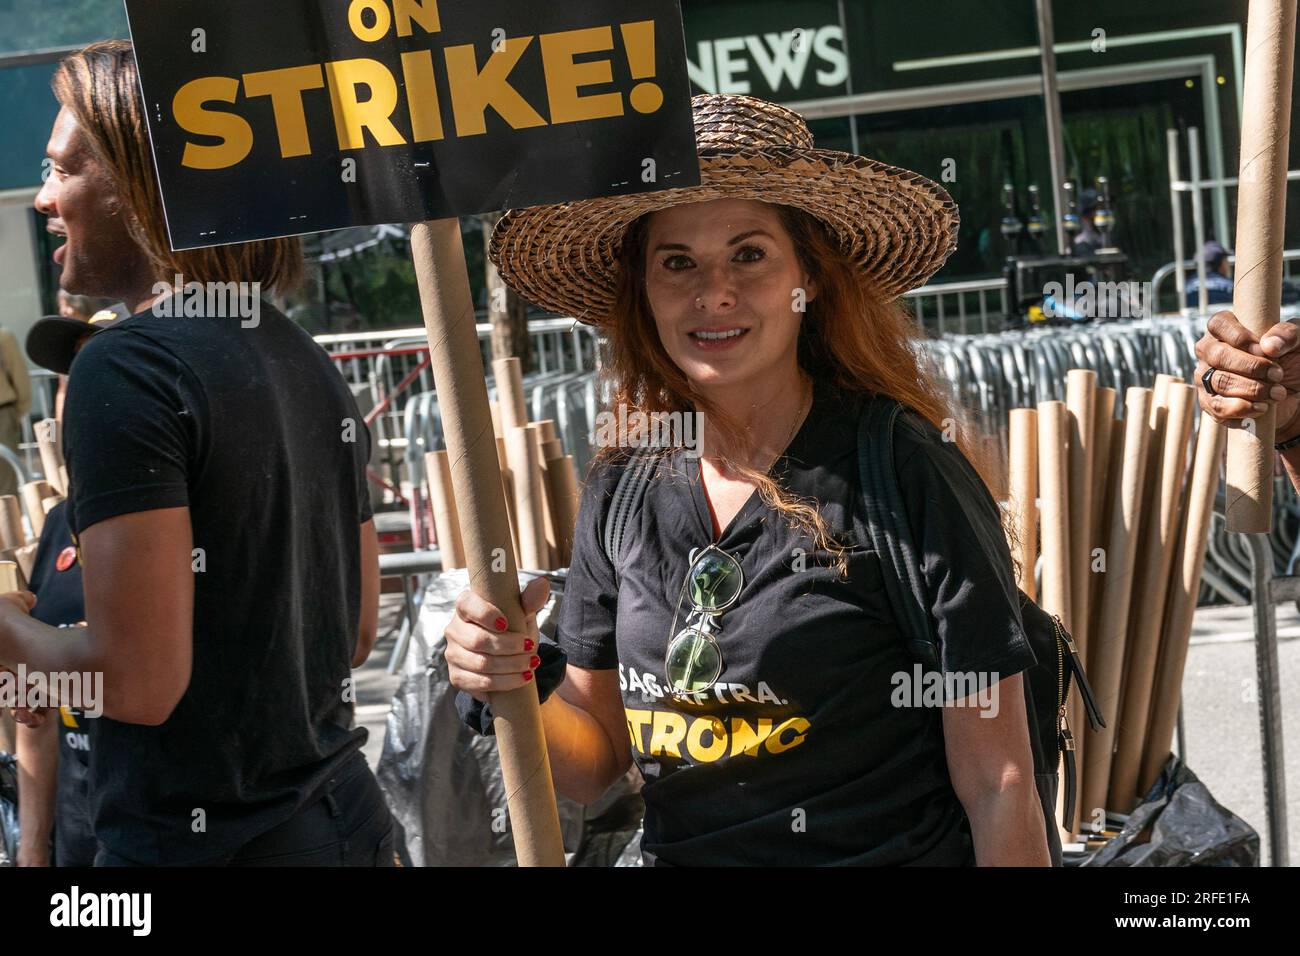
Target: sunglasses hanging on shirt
693	662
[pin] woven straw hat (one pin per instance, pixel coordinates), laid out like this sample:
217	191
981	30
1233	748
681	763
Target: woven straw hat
897	225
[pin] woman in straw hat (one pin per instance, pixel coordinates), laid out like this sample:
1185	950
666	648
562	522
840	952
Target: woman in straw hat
738	645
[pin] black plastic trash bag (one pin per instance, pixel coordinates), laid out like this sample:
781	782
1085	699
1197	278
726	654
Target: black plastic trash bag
1186	826
8	809
443	781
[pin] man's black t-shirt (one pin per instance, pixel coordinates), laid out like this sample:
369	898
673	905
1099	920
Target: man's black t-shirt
251	427
798	755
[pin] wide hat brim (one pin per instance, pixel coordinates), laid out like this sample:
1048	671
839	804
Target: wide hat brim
897	226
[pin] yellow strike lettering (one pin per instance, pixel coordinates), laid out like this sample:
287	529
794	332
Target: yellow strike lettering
669	729
745	739
776	745
421	96
695	739
636	719
472	91
423	12
564	77
285	87
377	30
234	132
352	117
68	719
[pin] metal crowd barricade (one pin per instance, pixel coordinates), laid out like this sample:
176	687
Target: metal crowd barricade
935	298
386	368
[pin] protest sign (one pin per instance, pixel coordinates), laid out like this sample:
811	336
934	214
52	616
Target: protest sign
276	119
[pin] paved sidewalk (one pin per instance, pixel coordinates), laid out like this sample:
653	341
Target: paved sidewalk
1221	717
375	688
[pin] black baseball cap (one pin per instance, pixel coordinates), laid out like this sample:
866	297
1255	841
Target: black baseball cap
54	340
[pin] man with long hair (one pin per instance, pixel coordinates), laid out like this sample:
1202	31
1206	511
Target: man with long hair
219	508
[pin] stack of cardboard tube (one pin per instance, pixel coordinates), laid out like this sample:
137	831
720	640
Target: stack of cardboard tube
539	480
18	541
1116	497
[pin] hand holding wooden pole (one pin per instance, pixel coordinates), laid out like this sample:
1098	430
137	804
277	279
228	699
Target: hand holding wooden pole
1261	220
476	480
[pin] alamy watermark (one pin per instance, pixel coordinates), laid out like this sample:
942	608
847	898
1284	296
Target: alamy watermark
22	689
922	688
213	300
133	911
632	428
1097	300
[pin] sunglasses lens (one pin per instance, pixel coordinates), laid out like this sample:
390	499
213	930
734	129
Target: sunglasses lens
694	661
715	580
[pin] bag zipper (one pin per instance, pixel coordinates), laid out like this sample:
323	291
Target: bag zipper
1064	739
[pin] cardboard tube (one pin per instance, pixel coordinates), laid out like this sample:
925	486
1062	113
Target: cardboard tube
446	524
1184	591
48	503
1022	463
495	409
544	502
462	400
549	433
34	492
1106	661
1102	431
1261	228
528	491
562	486
508	490
1109	483
552	449
1053	495
12	532
509	376
1054	522
1081	403
1103	420
1108	436
47	439
25	557
1159	537
1161	397
9	577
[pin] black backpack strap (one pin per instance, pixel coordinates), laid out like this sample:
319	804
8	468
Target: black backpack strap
891	536
628	493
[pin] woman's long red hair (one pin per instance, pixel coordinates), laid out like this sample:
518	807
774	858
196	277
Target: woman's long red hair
849	337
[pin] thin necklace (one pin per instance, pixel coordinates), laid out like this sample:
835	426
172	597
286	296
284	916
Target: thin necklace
804	406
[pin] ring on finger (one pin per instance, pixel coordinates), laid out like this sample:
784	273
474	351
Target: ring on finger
1206	382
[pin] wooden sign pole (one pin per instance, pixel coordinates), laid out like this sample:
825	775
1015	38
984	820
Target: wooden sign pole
461	385
1261	220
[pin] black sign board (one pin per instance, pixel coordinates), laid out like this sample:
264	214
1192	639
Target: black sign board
281	117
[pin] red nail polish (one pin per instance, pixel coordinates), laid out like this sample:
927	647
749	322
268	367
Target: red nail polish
528	644
499	624
535	662
528	675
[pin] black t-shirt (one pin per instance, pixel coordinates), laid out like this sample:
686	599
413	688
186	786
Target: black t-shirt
798	755
252	428
60	602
